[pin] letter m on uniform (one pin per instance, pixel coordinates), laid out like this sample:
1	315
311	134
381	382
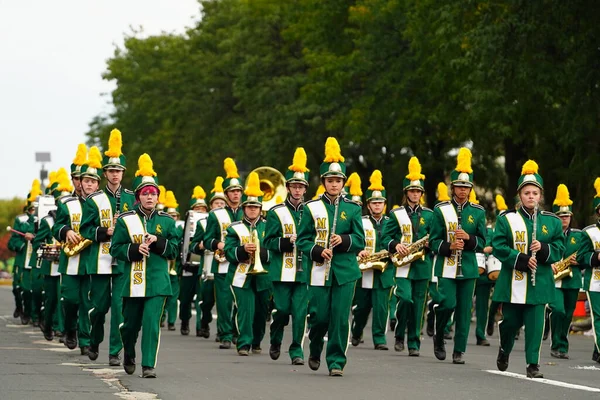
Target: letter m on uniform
520	236
138	238
104	214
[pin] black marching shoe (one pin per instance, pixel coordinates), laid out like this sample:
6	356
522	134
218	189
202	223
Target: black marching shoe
128	364
93	352
413	353
502	360
555	353
171	327
533	371
482	342
17	313
457	358
297	361
114	361
355	341
381	347
35	324
439	348
447	336
430	324
275	351
225	345
148	372
256	349
596	355
185	327
84	350
25	319
314	363
71	340
48	334
393	323
204	332
399	345
490	328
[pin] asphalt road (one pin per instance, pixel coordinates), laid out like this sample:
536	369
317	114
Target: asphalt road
191	367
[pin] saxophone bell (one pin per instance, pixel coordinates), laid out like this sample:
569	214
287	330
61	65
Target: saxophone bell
373	261
416	250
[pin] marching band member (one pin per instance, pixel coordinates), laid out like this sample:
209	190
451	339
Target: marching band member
567	289
374	288
330	235
214	239
290	293
75	283
527	241
251	292
457	232
408	224
145	240
170	313
589	257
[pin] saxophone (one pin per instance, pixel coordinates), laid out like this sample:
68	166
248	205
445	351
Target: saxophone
72	249
373	261
416	250
563	268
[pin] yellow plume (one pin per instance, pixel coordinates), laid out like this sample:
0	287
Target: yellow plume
299	161
333	153
145	166
395	206
463	160
64	184
94	158
414	170
320	191
443	192
81	154
162	195
218	185
52	178
500	203
199	193
422	199
473	197
35	190
597	187
355	189
530	167
562	196
278	199
253	187
170	200
376	181
230	168
115	143
349	180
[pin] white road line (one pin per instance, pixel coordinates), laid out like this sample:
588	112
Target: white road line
546	381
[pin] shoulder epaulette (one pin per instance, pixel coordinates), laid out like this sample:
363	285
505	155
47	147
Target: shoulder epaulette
386	217
441	203
590	227
68	199
164	214
277	206
95	194
126	213
129	191
235	223
479	206
347	200
23	218
397	209
550	214
575	230
64	199
216	209
427	209
312	201
365	216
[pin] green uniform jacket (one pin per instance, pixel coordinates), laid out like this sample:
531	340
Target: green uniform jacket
422	218
385	279
179	225
473	223
572	244
65	221
146	276
44	235
514	282
282	249
483	278
214	228
23	223
238	257
313	238
587	257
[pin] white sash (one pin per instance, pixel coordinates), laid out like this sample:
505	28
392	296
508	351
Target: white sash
449	268
224	222
105	214
28	254
368	276
239	277
136	230
54	265
288	227
518	288
321	223
74	207
406	239
594	234
208	255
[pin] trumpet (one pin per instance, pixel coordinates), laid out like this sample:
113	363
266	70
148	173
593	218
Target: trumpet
373	261
563	268
256	267
416	250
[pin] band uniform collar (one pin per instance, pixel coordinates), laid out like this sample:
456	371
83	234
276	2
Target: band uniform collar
292	206
525	213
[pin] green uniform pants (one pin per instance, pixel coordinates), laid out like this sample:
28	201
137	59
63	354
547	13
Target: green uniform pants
329	309
365	300
562	308
412	298
224	299
594	300
290	299
171	306
455	295
514	316
251	317
26	291
51	297
142	313
435	299
484	311
17	290
37	295
206	302
106	293
76	303
393	305
187	290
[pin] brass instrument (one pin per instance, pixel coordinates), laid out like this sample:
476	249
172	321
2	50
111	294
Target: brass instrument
220	256
416	250
563	268
71	249
272	184
256	267
373	261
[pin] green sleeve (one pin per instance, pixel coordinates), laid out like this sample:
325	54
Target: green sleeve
481	235
586	256
197	239
16	242
306	234
212	236
42	236
357	236
232	244
273	232
390	234
89	221
62	224
173	236
556	244
437	235
120	245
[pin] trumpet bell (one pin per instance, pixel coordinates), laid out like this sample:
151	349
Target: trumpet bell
256	267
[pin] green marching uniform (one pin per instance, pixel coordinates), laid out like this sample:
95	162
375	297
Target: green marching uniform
22	288
588	257
75	283
19	247
524	303
147	283
36	279
106	273
171	305
331	284
456	271
290	293
485	313
216	229
567	289
407	225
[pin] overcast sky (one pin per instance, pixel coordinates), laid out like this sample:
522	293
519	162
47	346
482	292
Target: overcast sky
52	54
